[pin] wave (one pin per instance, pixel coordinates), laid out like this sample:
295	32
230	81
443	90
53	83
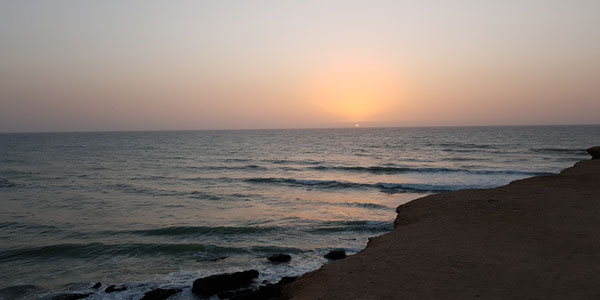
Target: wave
226	168
395	188
354	226
292	162
465	145
463	150
27	227
361	205
463	159
400	170
5	183
243	167
507	172
567	159
134	189
176	157
210	179
204	196
141	190
367	205
236	160
306	226
390	188
152	177
287	168
559	150
12	173
12	160
301	182
208	196
202	230
95	250
8	224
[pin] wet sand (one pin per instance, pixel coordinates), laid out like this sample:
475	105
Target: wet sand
536	238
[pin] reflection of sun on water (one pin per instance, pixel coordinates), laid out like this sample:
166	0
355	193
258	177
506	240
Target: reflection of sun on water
355	91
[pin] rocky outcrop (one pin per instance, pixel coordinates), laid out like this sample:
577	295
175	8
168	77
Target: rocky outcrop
336	254
214	284
114	288
594	152
264	292
160	294
280	258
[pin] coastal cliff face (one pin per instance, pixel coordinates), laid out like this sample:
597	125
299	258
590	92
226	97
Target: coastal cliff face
536	238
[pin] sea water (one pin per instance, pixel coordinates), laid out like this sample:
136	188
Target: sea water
160	209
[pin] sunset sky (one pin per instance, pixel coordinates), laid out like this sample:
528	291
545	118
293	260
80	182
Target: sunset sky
162	65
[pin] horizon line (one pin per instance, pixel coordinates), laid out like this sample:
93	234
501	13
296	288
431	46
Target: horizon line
291	128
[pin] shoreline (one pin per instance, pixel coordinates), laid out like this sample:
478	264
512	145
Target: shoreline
535	238
445	217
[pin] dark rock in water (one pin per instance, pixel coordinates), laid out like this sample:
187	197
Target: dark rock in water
70	296
279	258
218	258
287	279
264	292
336	254
594	152
113	288
214	284
160	294
97	285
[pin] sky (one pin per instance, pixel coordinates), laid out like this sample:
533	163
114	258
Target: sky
170	65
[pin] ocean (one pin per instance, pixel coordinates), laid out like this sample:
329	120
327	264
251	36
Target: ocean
160	209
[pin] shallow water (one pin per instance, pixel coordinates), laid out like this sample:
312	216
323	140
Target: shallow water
162	208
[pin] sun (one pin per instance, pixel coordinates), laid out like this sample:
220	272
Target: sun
356	90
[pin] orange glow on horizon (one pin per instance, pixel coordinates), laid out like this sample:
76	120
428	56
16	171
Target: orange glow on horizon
355	90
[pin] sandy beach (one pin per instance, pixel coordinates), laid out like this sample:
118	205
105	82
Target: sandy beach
535	238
